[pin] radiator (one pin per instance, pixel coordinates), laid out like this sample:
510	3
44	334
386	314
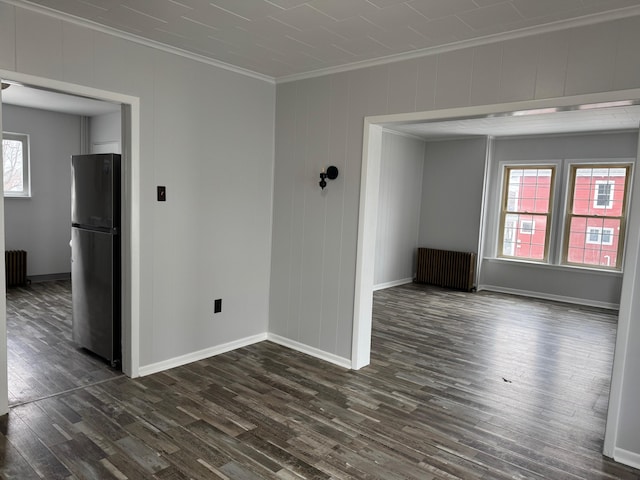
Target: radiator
15	262
446	268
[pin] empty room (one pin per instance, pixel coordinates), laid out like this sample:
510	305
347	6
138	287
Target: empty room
270	326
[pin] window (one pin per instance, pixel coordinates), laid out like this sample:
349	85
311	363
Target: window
526	212
603	194
596	215
15	157
600	236
527	227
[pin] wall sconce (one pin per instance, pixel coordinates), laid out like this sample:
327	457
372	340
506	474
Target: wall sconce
331	174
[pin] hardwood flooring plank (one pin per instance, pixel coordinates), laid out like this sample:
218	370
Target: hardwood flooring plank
14	465
42	358
33	450
145	456
466	386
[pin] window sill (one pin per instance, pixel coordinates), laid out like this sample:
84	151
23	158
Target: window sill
550	266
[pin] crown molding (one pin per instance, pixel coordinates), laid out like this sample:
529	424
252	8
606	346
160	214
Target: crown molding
402	134
474	42
136	39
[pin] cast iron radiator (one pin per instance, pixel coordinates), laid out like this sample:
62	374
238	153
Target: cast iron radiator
15	262
446	268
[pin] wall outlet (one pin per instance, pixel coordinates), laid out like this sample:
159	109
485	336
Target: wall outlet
217	306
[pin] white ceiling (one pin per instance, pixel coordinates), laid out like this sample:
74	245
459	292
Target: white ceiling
280	38
56	102
529	123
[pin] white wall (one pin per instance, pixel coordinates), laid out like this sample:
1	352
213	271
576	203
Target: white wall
565	283
452	194
315	234
399	209
628	423
207	135
41	225
105	133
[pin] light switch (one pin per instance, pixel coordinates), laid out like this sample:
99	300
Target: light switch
162	193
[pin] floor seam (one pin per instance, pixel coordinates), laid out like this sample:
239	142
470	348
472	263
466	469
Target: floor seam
57	394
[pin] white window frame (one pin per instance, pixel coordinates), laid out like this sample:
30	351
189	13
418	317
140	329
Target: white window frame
596	193
26	164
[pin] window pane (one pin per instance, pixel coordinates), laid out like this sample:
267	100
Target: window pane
509	237
524	236
599	191
594	241
12	155
529	190
604	194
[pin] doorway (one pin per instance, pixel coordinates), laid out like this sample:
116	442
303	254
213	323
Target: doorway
130	216
42	358
369	190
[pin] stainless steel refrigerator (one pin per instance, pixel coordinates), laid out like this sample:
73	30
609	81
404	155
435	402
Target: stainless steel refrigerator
95	254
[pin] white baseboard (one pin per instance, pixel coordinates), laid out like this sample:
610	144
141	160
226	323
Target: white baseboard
549	296
626	457
314	352
394	283
200	355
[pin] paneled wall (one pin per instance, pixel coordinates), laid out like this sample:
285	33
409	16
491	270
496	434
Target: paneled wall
206	134
399	209
105	133
320	121
41	225
452	194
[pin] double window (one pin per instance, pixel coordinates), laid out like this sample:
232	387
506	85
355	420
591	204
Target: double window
15	159
593	223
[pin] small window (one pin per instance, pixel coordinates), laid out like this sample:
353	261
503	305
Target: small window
527	226
525	214
600	236
15	157
596	215
603	193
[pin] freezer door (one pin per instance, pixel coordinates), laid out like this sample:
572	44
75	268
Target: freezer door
95	190
94	286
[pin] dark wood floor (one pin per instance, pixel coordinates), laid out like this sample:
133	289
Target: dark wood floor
461	386
42	359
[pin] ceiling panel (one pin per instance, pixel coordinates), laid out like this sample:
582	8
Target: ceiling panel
361	30
23	96
491	17
528	123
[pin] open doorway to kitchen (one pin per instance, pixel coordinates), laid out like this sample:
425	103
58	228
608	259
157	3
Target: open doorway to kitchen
42	360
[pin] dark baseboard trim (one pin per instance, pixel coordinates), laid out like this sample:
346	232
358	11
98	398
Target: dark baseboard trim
50	277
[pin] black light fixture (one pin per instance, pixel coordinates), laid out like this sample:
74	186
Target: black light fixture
331	173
